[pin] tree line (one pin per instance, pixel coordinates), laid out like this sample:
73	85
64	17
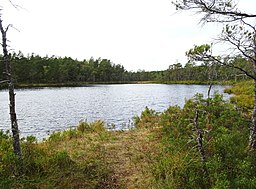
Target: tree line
207	71
36	69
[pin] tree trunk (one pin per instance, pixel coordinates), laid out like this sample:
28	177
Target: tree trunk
14	123
200	146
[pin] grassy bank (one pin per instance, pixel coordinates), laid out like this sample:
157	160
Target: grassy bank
193	82
86	157
83	84
71	84
243	94
76	84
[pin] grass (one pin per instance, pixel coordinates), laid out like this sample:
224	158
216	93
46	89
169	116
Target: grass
243	94
88	156
81	84
197	82
131	155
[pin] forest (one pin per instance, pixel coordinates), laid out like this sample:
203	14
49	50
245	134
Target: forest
34	69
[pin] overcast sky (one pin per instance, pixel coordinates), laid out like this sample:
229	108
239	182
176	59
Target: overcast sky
139	34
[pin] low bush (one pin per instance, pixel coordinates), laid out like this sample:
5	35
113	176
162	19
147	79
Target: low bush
148	119
204	151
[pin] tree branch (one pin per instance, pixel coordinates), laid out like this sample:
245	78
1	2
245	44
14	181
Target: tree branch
4	81
6	29
209	57
14	5
213	8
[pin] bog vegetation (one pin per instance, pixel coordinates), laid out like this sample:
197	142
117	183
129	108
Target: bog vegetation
202	145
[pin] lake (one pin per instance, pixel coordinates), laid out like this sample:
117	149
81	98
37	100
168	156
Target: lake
41	111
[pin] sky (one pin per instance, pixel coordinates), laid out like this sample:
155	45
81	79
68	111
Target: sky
139	34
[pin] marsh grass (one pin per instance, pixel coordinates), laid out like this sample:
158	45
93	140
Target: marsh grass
88	156
243	94
63	161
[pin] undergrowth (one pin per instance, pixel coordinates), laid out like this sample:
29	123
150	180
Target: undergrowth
222	159
50	164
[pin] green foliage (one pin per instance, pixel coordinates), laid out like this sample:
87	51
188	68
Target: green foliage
243	92
63	135
199	74
225	139
7	157
48	165
245	88
34	70
97	127
148	119
197	50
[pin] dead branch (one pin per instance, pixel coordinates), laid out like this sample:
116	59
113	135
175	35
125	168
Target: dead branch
4	81
200	146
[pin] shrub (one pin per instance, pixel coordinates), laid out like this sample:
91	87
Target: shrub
225	137
148	119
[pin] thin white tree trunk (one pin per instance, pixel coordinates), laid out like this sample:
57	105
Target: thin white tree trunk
13	117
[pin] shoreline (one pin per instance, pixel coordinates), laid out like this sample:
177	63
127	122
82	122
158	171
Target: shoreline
86	84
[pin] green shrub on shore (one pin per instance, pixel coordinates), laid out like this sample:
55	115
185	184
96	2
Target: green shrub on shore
222	160
148	119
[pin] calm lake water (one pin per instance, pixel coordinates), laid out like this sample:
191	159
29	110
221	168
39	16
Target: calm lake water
42	111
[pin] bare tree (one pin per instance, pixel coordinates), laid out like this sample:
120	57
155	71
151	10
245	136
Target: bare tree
239	32
9	80
200	146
